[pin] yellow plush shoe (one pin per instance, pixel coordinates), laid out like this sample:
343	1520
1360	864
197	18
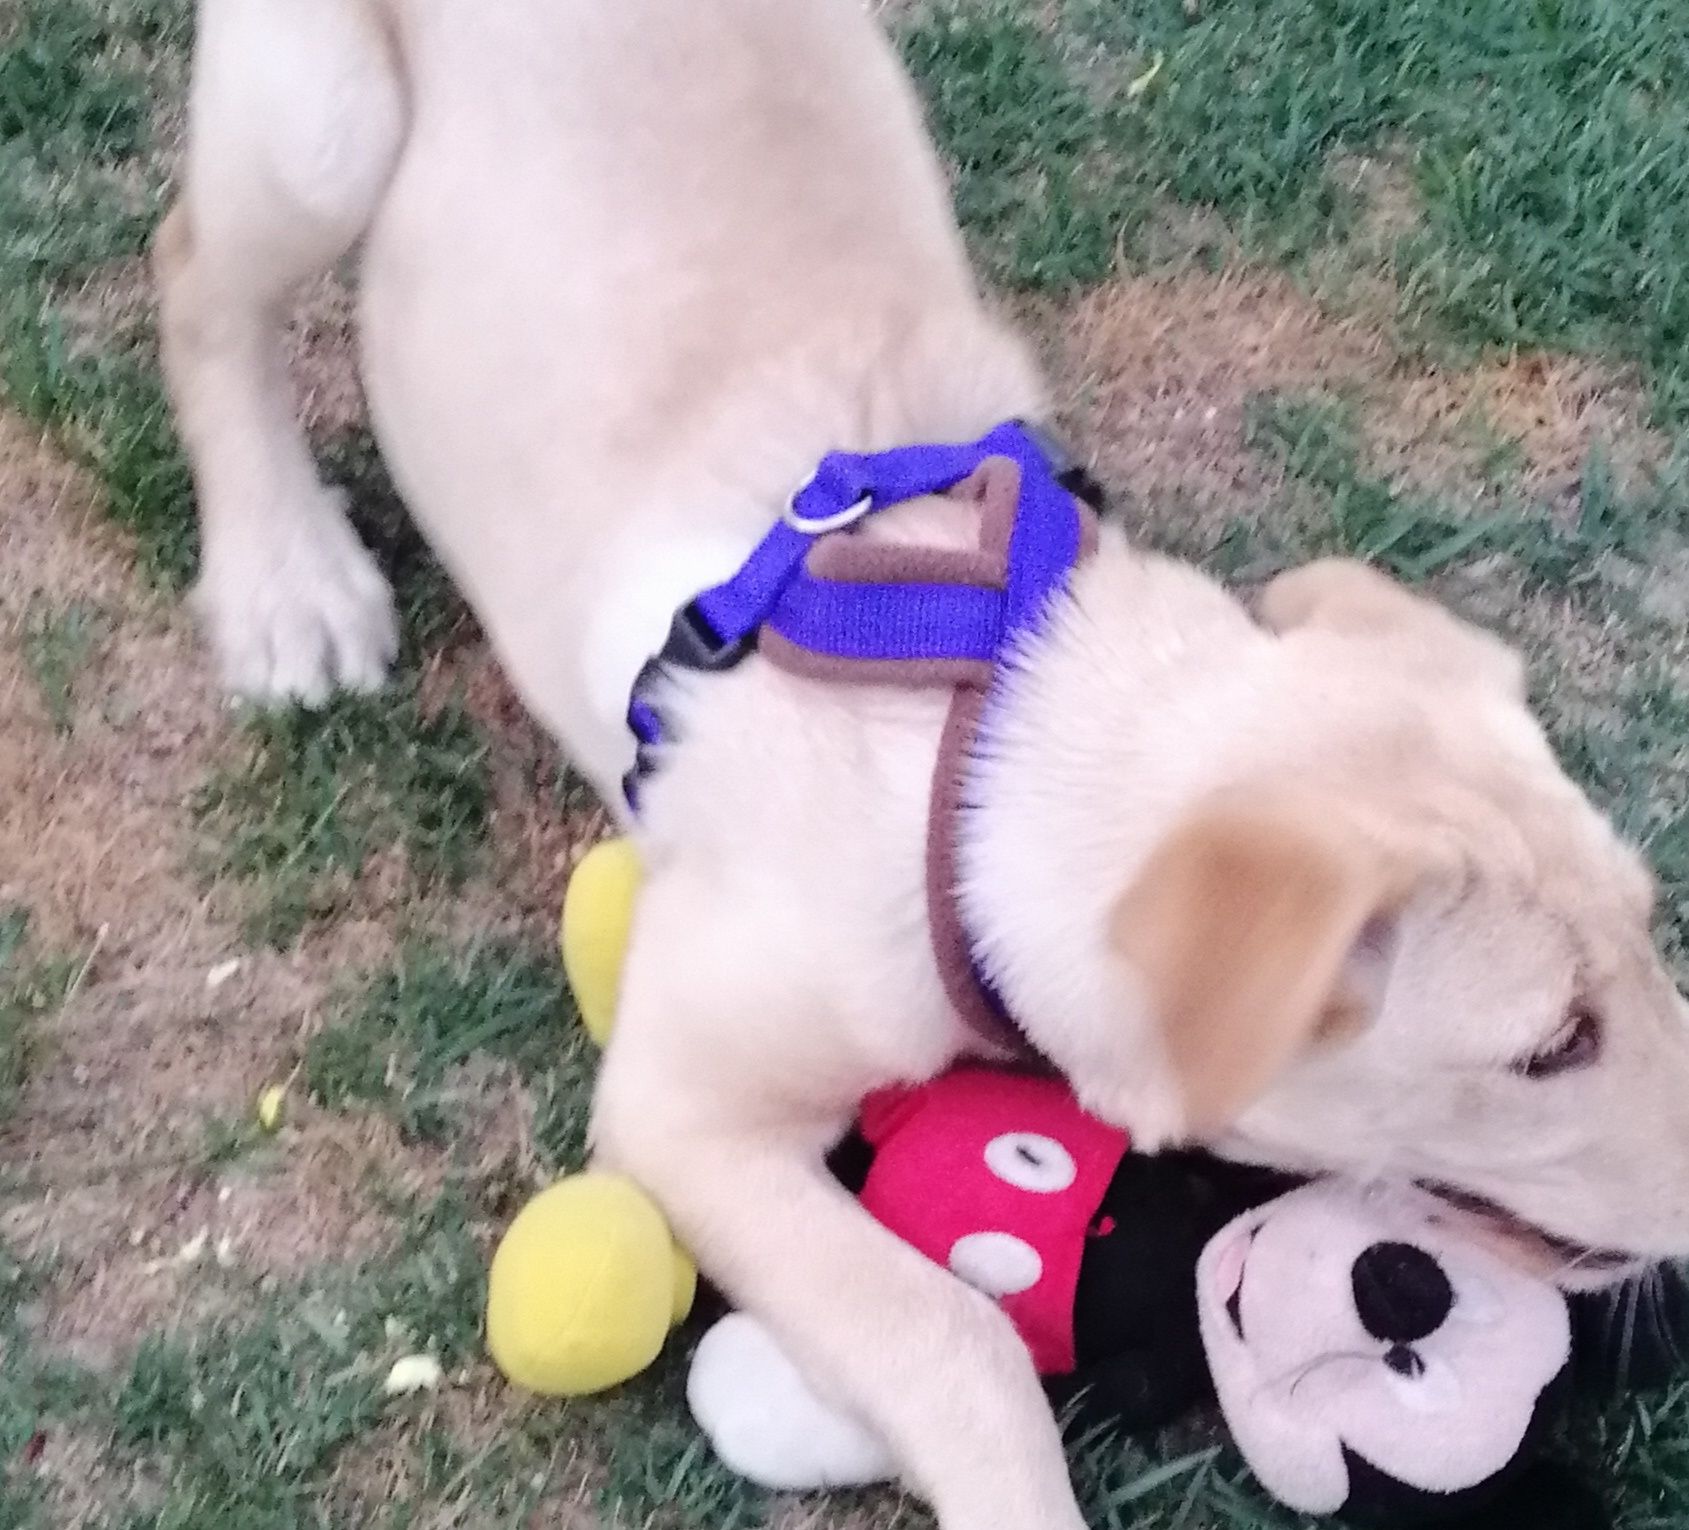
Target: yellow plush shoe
597	919
585	1287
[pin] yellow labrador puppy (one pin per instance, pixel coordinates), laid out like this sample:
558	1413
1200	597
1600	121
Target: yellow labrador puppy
1307	882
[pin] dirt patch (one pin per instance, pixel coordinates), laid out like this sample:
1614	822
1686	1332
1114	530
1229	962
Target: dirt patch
132	1167
886	1511
478	1413
323	351
1157	374
1383	187
167	1242
544	817
90	818
1544	412
72	1464
173	1027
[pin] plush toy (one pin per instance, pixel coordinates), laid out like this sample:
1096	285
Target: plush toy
587	1284
585	1287
1368	1360
597	919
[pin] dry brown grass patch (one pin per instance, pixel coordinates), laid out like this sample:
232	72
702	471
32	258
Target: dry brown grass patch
105	1158
1157	373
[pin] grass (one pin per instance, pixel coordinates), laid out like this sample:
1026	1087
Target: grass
243	1423
32	986
42	1392
1499	174
259	1421
57	645
1359	512
79	191
1543	148
315	795
402	1042
1033	188
1364	515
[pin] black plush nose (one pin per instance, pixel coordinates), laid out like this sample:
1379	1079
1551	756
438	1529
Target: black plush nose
1401	1293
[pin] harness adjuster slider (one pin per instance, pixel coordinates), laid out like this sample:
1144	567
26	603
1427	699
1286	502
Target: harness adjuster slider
693	643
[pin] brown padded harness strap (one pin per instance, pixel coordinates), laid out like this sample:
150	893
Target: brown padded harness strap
995	489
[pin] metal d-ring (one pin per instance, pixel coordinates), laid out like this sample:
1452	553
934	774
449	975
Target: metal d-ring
820	525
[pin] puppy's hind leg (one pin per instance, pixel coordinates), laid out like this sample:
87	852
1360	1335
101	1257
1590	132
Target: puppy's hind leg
295	122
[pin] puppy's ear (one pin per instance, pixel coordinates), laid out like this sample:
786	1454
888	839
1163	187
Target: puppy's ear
1342	595
1243	929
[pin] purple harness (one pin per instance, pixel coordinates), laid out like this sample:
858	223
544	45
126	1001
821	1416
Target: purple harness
820	602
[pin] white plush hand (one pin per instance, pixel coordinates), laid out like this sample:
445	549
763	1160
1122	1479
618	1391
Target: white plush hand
764	1421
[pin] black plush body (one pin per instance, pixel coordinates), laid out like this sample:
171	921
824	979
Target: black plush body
1141	1363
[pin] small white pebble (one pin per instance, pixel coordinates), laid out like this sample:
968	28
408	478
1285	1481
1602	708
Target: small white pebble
188	1253
222	972
415	1373
226	1250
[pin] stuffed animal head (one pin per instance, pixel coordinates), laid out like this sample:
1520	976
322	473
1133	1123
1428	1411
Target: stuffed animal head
1369	1360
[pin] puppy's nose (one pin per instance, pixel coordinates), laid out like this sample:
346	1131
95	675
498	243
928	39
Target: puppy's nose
1401	1293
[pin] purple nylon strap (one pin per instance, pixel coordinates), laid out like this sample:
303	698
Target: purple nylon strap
902	621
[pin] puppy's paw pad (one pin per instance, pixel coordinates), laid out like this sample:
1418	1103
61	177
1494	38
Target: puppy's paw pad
765	1423
299	617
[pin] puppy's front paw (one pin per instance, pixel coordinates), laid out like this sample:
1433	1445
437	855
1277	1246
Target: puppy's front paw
765	1422
296	607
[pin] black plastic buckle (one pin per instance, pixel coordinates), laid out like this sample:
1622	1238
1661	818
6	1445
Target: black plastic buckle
693	644
1065	468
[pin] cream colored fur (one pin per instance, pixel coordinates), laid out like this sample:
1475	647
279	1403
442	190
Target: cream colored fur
631	268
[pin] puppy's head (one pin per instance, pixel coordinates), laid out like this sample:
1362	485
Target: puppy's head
1406	945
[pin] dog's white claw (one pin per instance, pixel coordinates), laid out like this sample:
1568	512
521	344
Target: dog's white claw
765	1423
295	622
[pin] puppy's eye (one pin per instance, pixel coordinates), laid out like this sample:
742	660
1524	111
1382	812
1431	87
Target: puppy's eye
1575	1045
